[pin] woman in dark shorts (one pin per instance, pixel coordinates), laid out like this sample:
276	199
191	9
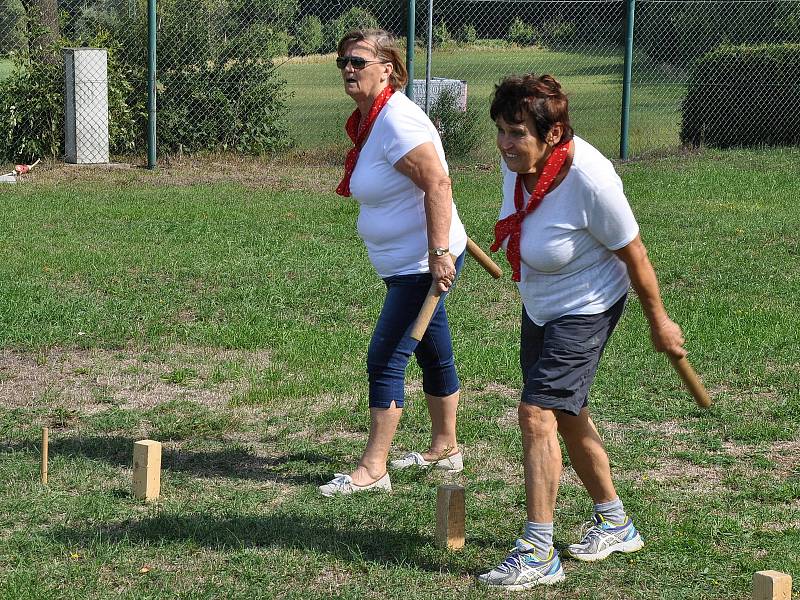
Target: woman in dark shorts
574	247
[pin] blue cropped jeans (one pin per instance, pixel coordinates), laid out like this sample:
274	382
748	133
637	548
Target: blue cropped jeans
392	345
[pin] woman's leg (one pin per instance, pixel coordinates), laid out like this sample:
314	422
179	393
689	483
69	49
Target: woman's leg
587	455
382	426
442	410
541	461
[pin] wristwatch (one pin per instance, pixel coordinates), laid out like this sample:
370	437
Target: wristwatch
438	251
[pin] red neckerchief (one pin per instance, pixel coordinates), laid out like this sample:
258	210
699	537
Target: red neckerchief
359	134
511	226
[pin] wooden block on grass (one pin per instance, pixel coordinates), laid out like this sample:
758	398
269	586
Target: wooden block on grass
147	470
449	517
45	453
772	585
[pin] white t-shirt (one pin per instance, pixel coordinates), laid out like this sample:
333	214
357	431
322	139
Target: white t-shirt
392	219
567	266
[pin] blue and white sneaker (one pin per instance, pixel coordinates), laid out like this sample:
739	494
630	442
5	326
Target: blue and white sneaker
522	569
602	537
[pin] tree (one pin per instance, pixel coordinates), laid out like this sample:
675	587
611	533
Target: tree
43	30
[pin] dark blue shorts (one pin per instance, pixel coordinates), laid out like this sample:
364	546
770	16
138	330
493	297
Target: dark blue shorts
392	345
559	359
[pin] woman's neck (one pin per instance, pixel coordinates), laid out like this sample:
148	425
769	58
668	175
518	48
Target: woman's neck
365	104
530	179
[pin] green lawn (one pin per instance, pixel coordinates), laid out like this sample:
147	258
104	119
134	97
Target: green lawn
593	82
231	323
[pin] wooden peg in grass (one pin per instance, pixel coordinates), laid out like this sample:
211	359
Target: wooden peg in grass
147	470
772	585
45	452
449	517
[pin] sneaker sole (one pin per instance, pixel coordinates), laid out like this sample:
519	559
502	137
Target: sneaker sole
546	580
633	545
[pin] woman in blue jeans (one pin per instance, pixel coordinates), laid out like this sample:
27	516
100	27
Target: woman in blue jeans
397	172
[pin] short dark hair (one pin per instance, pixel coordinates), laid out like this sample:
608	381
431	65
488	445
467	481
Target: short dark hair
386	49
541	98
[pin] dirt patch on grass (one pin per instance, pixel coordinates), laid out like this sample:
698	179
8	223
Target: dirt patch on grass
89	381
297	170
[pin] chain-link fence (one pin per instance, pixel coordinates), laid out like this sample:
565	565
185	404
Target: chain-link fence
258	76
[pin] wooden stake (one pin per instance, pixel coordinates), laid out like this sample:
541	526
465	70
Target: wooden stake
772	585
45	452
450	517
147	470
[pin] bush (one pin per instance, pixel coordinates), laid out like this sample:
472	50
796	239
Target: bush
441	36
520	33
308	35
467	34
560	35
355	18
233	106
460	131
32	106
258	42
12	26
744	96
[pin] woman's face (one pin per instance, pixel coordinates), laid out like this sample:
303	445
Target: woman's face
369	81
520	146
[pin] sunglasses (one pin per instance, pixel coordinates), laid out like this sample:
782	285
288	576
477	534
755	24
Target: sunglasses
356	61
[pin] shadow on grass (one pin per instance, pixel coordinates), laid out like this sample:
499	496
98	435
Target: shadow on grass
300	468
347	539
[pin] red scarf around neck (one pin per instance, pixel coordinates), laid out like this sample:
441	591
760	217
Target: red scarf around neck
358	135
511	226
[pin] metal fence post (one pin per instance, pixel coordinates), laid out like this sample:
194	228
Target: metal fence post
410	49
626	80
151	84
428	59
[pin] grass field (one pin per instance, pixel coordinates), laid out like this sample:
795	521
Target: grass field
593	82
231	322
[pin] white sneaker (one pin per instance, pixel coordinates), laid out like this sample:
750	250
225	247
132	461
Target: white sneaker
343	484
522	569
451	464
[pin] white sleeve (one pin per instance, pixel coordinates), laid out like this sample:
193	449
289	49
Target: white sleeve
610	218
404	132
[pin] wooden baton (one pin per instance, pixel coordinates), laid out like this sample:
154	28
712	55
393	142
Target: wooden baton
483	259
691	381
426	312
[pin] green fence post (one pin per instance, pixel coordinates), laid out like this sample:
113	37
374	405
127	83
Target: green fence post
151	84
626	80
410	49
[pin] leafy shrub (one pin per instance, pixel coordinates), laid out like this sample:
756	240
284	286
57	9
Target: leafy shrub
31	111
521	33
237	105
459	130
467	34
12	26
32	106
559	35
258	42
355	18
441	36
744	96
308	35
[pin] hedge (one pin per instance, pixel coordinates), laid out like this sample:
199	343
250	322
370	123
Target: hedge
744	96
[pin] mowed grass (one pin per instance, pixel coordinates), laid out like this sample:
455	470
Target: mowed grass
231	323
593	82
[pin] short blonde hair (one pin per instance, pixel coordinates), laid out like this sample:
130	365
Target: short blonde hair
386	49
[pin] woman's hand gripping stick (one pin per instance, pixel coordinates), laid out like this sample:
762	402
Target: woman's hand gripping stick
432	299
